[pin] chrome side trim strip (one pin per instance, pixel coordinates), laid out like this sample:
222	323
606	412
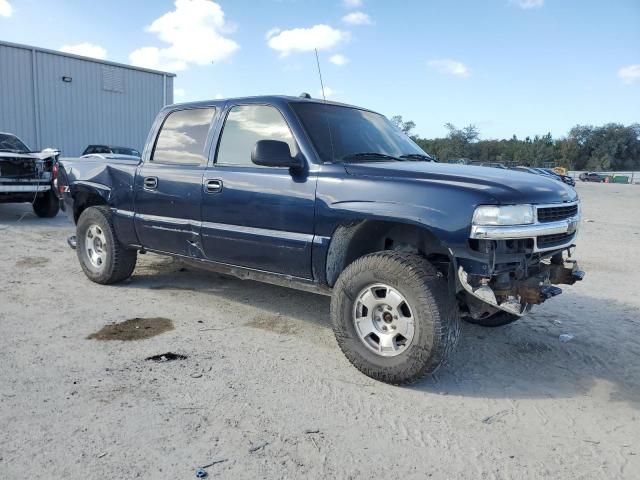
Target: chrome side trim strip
123	213
223	227
257	232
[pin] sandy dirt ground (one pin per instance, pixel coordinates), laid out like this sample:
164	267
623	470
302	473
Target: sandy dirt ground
265	392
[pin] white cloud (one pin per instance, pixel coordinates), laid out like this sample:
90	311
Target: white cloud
5	8
272	32
328	92
630	73
352	3
527	4
179	92
338	59
194	34
86	50
321	37
357	18
218	96
449	67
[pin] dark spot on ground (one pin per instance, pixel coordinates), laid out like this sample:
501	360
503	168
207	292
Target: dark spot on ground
166	357
274	323
133	329
32	262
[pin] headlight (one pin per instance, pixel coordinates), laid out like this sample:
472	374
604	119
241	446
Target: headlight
503	215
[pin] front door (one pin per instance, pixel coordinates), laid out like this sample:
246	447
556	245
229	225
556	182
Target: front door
168	185
252	216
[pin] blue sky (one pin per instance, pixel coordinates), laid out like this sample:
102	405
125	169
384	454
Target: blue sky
520	67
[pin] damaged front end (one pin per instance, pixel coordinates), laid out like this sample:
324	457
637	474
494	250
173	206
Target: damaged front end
510	268
24	175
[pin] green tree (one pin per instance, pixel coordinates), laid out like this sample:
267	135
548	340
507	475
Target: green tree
611	146
405	127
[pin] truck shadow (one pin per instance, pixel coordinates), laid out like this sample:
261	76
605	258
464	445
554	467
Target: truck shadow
523	360
171	275
527	359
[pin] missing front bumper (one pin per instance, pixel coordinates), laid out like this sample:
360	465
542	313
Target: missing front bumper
517	296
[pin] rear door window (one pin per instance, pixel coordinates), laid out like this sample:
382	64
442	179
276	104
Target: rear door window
183	137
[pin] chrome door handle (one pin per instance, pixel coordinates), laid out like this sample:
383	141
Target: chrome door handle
212	186
150	183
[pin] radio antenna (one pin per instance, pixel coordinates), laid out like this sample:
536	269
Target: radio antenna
320	75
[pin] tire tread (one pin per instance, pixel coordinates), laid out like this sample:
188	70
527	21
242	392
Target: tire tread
433	296
123	260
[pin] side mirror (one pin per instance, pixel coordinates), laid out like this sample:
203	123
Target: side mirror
274	153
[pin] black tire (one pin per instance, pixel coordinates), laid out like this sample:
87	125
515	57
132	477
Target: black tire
47	205
118	263
433	309
499	319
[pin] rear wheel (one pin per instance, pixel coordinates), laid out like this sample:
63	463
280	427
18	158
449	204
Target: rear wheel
47	205
102	257
499	319
393	316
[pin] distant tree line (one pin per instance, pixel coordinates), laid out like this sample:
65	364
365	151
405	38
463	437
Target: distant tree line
610	147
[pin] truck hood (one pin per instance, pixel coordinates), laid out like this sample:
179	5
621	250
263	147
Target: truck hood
503	186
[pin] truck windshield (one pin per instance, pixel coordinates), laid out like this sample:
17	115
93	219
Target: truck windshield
349	134
11	143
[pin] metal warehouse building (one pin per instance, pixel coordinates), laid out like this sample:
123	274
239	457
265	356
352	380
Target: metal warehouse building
58	100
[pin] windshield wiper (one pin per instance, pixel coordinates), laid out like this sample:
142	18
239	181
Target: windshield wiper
381	156
417	156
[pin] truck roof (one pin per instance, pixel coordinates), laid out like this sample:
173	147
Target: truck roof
272	99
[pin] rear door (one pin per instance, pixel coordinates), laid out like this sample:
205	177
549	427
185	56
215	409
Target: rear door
253	216
168	185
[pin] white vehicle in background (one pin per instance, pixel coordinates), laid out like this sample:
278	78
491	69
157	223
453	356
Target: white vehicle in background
27	176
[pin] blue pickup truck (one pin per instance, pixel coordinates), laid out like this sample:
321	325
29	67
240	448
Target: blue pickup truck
332	199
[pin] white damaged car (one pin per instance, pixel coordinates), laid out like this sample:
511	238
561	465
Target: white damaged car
27	176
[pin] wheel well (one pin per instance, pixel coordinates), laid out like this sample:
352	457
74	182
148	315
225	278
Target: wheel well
84	200
350	242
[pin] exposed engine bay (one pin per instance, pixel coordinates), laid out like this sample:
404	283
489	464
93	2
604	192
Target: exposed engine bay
531	282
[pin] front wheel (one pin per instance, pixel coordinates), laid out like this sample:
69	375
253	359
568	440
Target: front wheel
393	316
102	257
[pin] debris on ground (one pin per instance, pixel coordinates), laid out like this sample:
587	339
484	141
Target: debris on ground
201	473
313	430
133	329
258	447
215	462
496	416
166	357
566	337
196	375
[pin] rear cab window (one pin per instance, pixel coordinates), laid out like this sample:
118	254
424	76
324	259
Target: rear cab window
183	137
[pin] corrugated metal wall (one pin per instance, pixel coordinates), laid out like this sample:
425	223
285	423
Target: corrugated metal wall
103	103
17	113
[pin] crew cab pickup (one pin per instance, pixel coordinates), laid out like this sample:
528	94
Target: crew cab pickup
333	199
27	176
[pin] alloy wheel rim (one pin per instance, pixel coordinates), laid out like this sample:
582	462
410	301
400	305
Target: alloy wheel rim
96	246
383	320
